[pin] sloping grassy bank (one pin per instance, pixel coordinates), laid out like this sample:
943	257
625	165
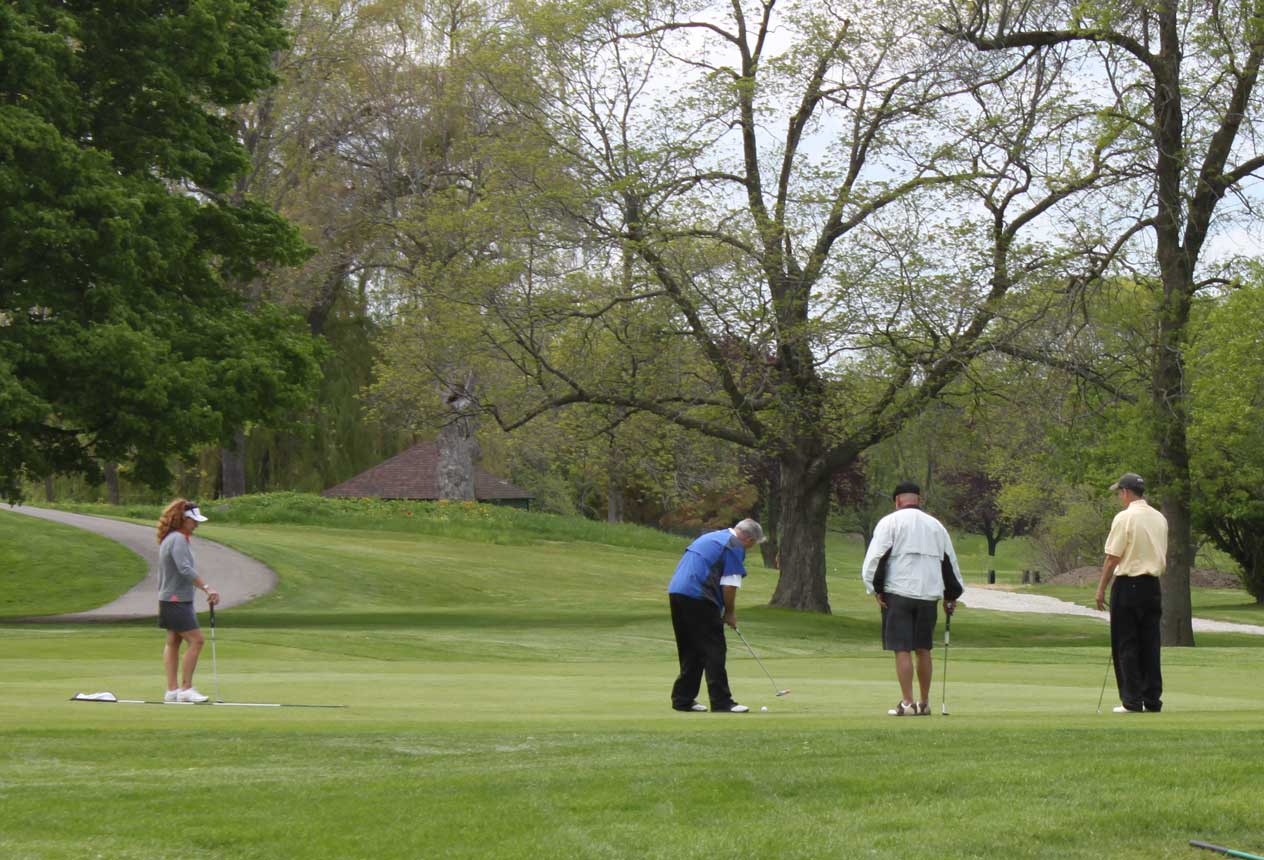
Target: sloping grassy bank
48	568
467	520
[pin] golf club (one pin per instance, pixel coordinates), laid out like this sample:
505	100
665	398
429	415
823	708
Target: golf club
1229	851
214	662
943	693
1110	659
779	692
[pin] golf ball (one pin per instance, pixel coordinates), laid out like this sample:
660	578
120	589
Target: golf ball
764	708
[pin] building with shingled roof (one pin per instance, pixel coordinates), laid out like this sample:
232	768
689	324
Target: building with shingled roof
414	474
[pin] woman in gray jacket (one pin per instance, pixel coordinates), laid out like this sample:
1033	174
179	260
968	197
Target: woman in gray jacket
177	578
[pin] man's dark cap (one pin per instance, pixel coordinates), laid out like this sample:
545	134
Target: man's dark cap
1130	481
906	487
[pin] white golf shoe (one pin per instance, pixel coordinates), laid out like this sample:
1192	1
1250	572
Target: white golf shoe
191	695
171	696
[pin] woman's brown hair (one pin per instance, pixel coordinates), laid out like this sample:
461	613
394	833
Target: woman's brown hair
172	518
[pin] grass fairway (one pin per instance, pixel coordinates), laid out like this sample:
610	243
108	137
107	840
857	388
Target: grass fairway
510	701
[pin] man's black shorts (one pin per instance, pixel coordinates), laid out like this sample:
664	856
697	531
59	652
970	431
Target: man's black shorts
176	617
908	624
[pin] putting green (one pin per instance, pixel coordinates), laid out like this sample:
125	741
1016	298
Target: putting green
511	702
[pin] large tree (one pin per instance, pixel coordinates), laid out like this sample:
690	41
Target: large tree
120	338
1186	74
1226	435
313	140
802	292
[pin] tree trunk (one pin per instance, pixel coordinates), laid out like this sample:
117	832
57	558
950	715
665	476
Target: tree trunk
992	541
1176	266
804	513
770	552
111	483
770	520
614	495
49	495
458	446
233	467
331	288
1173	480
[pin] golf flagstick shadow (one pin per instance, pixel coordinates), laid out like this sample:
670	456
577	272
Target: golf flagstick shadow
111	699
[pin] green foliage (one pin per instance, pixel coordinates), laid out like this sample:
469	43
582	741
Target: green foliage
120	336
335	438
712	510
1226	436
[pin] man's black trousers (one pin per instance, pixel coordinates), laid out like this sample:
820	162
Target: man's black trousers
701	646
1136	608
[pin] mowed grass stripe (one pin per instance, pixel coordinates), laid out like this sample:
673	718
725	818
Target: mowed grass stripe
623	793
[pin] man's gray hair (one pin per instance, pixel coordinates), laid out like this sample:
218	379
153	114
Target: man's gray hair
751	529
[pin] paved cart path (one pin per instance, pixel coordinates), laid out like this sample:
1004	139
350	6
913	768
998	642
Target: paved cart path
981	597
241	579
238	578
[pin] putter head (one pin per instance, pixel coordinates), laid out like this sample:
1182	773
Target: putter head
943	709
783	692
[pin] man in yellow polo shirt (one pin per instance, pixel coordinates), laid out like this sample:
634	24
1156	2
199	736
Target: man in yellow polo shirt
1136	556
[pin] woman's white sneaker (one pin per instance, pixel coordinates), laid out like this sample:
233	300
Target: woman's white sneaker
170	696
191	695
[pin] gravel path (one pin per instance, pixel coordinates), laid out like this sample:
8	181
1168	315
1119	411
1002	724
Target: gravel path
985	597
237	577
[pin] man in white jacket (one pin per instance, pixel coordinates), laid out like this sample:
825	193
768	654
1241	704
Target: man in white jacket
909	566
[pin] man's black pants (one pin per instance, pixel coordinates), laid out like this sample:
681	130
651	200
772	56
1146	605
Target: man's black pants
701	646
1136	608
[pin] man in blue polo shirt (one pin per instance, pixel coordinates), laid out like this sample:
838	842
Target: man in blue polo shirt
703	593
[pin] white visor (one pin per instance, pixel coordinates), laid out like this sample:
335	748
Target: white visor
195	515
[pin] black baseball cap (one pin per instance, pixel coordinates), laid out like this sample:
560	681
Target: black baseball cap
1130	481
906	487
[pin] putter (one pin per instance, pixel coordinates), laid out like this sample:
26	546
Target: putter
777	691
943	692
1110	659
214	662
